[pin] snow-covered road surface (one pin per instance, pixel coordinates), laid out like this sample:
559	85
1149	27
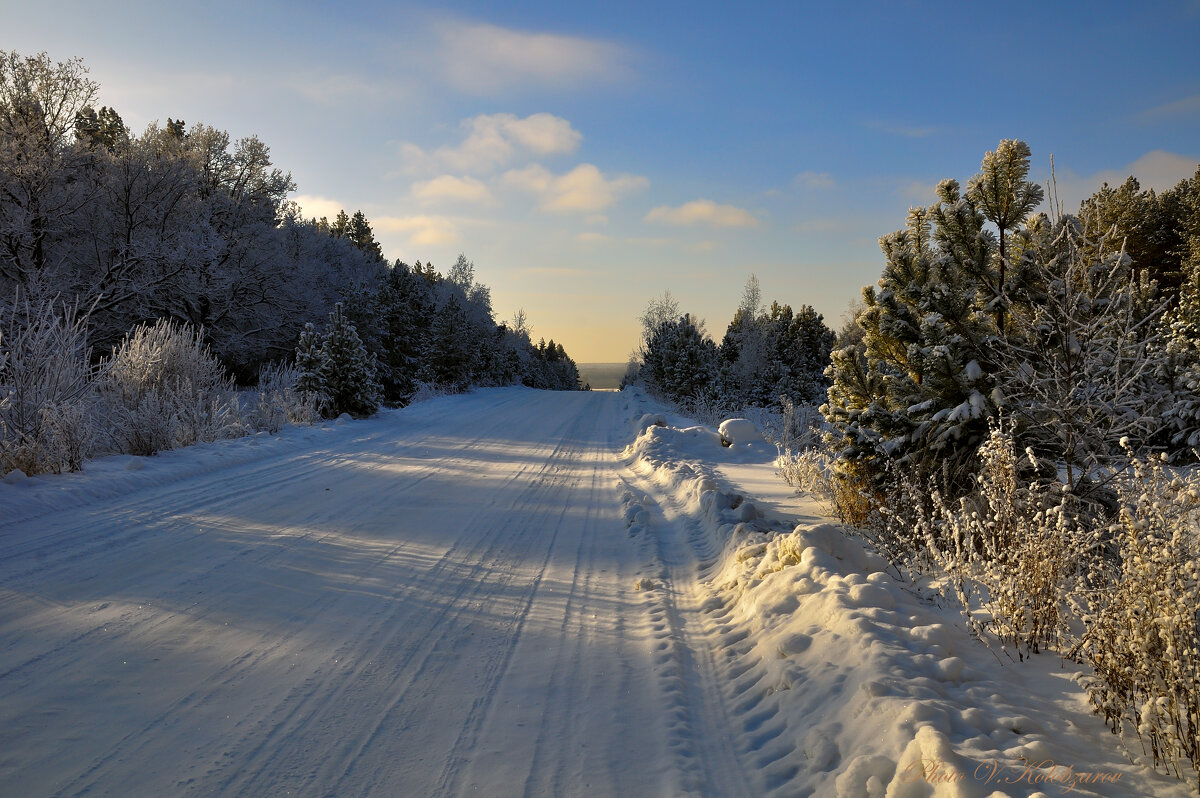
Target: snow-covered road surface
439	601
506	593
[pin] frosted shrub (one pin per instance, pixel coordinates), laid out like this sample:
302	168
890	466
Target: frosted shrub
278	402
1013	549
1141	626
162	388
794	428
811	471
45	390
705	407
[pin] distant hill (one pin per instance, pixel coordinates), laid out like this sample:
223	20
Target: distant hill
602	375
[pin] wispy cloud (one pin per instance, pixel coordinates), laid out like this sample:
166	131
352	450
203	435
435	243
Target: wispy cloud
814	180
703	212
344	88
908	131
584	189
823	225
1172	110
492	141
483	59
448	188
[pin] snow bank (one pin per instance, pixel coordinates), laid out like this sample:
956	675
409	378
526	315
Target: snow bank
843	680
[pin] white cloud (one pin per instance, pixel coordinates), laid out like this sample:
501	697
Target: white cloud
495	140
448	188
814	180
703	211
314	207
584	189
483	59
421	230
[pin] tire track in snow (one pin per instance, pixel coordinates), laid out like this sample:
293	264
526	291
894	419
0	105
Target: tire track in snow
698	720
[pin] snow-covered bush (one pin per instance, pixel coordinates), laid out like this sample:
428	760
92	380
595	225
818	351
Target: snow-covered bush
1011	548
854	503
45	389
1142	617
162	388
278	402
793	428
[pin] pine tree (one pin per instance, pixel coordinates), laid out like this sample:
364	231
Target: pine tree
1005	197
347	372
447	360
919	386
803	346
358	230
680	360
309	360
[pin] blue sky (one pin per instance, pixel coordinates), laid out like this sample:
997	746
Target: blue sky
589	156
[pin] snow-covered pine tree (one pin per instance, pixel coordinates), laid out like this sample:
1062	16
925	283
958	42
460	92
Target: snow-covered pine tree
407	306
346	370
448	357
1003	194
309	359
802	344
919	387
680	360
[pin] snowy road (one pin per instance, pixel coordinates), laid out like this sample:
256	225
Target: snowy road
435	602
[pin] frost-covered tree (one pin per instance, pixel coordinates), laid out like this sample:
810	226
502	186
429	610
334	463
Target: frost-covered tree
749	368
346	370
658	311
310	359
1078	368
1180	366
802	345
39	168
1003	194
680	360
918	386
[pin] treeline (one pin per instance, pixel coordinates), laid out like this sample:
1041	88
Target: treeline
766	359
183	223
116	231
